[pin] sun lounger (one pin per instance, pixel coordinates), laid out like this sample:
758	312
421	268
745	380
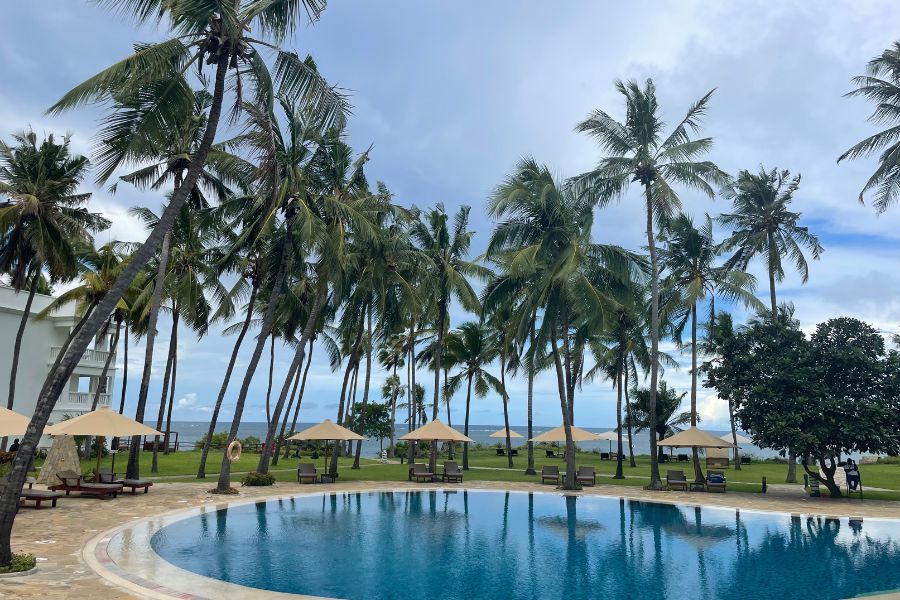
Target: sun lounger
605	456
676	478
684	458
39	496
306	472
715	480
105	475
70	481
452	472
745	460
514	452
419	472
720	462
501	452
586	476
551	454
550	473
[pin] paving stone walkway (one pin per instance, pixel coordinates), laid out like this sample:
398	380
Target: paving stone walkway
57	536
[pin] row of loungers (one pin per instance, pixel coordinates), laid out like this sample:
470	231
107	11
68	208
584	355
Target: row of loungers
583	475
715	480
104	485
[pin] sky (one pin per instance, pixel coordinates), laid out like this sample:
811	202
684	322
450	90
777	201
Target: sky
452	94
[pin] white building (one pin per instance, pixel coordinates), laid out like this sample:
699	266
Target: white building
40	345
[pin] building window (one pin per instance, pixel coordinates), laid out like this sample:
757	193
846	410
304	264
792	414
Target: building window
84	384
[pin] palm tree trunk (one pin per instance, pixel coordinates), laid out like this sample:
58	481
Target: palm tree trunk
17	346
628	418
284	266
271	373
529	470
447	404
505	400
466	425
279	442
698	472
168	431
133	470
302	388
154	465
124	370
365	402
438	355
308	331
58	377
655	482
569	482
201	470
619	450
394	389
411	445
737	455
109	356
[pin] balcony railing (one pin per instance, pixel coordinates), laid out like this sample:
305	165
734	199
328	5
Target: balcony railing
92	356
82	400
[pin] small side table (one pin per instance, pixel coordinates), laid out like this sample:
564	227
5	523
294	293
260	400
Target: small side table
694	486
328	477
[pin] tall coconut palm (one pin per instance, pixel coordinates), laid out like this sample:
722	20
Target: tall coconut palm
544	239
638	151
763	225
502	327
881	85
668	420
43	220
206	31
688	260
473	349
446	249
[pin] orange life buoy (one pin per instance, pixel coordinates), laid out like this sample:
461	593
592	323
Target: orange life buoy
233	455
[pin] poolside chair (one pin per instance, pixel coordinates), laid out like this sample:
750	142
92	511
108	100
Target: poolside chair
420	472
452	472
683	458
551	454
745	460
105	475
28	494
306	472
715	480
605	456
550	473
514	452
501	452
675	478
70	481
586	476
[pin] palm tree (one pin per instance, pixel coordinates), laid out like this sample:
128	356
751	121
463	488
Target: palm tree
762	224
473	348
881	85
446	249
219	33
688	259
43	221
500	323
639	152
549	261
668	420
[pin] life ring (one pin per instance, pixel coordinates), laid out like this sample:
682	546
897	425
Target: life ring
233	455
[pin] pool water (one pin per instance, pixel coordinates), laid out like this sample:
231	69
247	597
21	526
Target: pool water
468	545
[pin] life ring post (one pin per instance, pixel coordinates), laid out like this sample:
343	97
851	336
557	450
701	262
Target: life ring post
234	451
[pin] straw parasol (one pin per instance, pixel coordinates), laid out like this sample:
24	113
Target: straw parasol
611	436
695	438
326	431
102	422
436	431
559	435
12	423
501	433
741	439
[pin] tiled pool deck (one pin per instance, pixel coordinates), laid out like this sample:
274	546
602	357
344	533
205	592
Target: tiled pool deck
81	557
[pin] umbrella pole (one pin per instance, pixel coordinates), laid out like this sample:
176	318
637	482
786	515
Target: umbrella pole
97	472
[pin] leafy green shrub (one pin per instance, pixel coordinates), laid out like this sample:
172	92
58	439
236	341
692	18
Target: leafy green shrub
20	562
219	440
888	460
250	441
258	479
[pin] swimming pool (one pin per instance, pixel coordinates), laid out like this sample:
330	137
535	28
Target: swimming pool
485	544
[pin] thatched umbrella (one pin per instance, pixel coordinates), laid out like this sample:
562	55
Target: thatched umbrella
326	431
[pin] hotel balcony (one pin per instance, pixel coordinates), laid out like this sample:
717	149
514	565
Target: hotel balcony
79	401
91	357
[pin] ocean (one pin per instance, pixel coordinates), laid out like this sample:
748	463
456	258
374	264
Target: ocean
190	432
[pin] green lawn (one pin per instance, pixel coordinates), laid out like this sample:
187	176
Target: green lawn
487	466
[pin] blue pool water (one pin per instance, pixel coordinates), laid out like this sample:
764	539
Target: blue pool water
468	545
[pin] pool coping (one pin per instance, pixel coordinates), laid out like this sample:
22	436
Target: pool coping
139	574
